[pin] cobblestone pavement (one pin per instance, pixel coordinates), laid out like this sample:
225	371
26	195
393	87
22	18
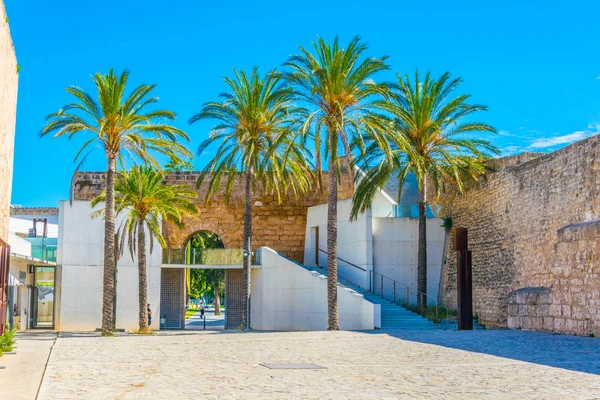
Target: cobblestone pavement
376	365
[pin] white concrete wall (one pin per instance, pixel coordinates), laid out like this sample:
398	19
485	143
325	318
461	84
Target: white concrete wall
288	297
22	223
18	268
18	245
395	248
79	279
354	241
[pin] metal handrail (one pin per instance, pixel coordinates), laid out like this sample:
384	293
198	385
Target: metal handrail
395	282
344	261
372	274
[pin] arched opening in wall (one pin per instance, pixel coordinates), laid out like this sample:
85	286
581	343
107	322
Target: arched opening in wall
205	287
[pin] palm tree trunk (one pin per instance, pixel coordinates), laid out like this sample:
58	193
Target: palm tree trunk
422	254
217	301
332	300
142	278
108	294
247	258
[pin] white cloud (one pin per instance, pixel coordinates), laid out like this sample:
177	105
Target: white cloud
509	150
543	143
504	133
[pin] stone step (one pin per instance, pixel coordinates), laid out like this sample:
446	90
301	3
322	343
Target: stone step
393	316
406	321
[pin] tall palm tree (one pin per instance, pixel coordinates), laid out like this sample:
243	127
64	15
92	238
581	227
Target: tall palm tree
120	125
148	201
256	138
337	85
428	136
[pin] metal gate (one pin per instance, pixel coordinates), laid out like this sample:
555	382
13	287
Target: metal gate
172	298
234	305
4	265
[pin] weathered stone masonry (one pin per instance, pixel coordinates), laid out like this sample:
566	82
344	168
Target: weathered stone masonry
8	112
533	230
281	226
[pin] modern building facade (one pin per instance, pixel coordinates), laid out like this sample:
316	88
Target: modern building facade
33	240
288	292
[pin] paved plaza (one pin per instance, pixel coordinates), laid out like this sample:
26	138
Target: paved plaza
377	365
24	370
211	321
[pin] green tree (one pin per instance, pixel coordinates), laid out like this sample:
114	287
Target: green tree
209	281
428	135
337	86
179	166
206	280
120	125
147	201
256	137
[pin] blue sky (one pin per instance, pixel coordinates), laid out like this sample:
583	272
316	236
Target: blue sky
534	63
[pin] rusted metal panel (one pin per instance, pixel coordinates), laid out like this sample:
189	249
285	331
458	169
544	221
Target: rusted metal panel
464	286
4	266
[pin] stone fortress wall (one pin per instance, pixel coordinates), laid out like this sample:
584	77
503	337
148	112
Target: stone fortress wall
9	80
534	230
279	225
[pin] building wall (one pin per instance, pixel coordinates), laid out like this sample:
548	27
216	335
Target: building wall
378	241
18	245
288	297
355	241
80	271
280	225
572	302
19	278
29	213
395	248
514	220
8	112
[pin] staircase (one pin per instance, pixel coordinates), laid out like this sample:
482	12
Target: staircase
393	316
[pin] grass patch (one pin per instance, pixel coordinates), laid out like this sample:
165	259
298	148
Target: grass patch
429	312
190	312
138	332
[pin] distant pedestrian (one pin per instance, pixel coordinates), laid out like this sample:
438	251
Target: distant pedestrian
149	316
202	308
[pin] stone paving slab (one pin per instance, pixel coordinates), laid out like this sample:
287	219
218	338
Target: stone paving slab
24	370
374	365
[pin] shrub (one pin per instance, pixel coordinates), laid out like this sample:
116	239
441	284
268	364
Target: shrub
7	341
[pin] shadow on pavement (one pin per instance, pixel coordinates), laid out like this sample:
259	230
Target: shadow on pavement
573	353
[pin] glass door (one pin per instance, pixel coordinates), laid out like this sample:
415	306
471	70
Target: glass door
42	313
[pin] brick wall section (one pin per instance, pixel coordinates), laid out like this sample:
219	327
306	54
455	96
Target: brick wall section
34	211
281	226
8	112
233	298
572	303
513	221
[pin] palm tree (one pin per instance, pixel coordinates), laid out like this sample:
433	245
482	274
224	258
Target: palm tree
120	125
256	137
337	86
147	201
428	136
